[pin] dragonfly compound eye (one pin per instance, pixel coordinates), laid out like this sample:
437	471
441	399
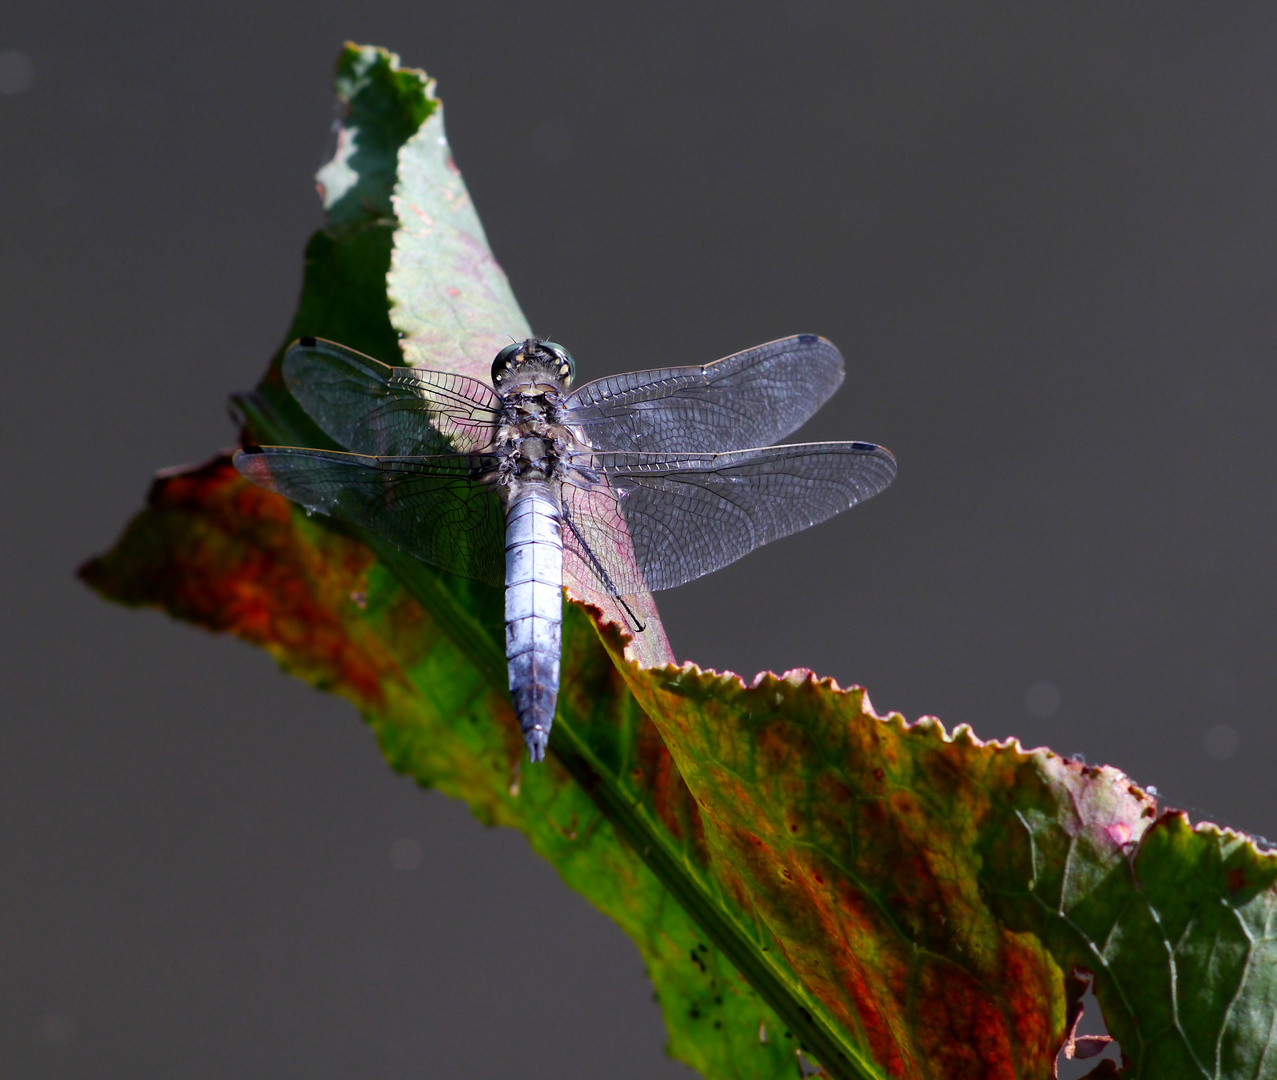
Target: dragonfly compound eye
509	357
566	365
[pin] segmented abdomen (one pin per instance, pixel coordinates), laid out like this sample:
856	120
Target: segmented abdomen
534	611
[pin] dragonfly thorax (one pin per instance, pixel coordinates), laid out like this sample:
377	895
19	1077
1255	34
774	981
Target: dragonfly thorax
535	458
529	444
531	377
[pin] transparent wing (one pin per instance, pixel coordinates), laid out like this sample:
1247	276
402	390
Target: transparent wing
372	408
436	508
598	557
690	514
749	399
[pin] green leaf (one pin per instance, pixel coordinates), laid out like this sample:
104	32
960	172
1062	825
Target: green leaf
385	105
795	869
214	549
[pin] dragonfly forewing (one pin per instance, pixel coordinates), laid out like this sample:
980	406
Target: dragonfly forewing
748	399
372	408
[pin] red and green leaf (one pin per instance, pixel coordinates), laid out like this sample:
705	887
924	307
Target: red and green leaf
796	870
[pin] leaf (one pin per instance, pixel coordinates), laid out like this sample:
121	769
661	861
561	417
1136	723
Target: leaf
216	550
935	890
451	299
385	105
421	654
794	868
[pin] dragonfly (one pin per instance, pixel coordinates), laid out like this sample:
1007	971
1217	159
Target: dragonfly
630	483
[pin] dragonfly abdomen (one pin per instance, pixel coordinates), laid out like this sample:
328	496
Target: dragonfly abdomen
534	610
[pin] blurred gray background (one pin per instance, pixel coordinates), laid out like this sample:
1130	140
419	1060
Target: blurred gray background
1044	237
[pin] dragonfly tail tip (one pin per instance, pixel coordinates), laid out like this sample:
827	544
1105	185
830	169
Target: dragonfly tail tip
536	738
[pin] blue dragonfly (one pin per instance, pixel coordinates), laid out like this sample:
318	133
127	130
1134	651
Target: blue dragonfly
627	484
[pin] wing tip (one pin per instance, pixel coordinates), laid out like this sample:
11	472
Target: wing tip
885	458
823	352
810	339
303	343
250	463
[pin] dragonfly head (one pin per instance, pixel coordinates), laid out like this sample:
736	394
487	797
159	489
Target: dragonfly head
532	362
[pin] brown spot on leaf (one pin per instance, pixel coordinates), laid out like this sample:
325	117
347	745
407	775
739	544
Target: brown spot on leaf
215	549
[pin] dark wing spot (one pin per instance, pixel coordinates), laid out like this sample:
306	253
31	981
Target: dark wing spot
865	446
252	448
807	339
306	342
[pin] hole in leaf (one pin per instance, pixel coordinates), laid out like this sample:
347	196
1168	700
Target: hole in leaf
807	1067
1089	1050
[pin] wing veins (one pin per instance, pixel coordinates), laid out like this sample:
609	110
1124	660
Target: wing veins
747	399
689	514
440	508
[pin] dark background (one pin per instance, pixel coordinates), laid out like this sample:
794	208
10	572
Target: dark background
1044	238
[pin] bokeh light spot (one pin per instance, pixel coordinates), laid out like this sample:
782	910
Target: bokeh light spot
56	1028
17	72
1042	699
1221	741
405	854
